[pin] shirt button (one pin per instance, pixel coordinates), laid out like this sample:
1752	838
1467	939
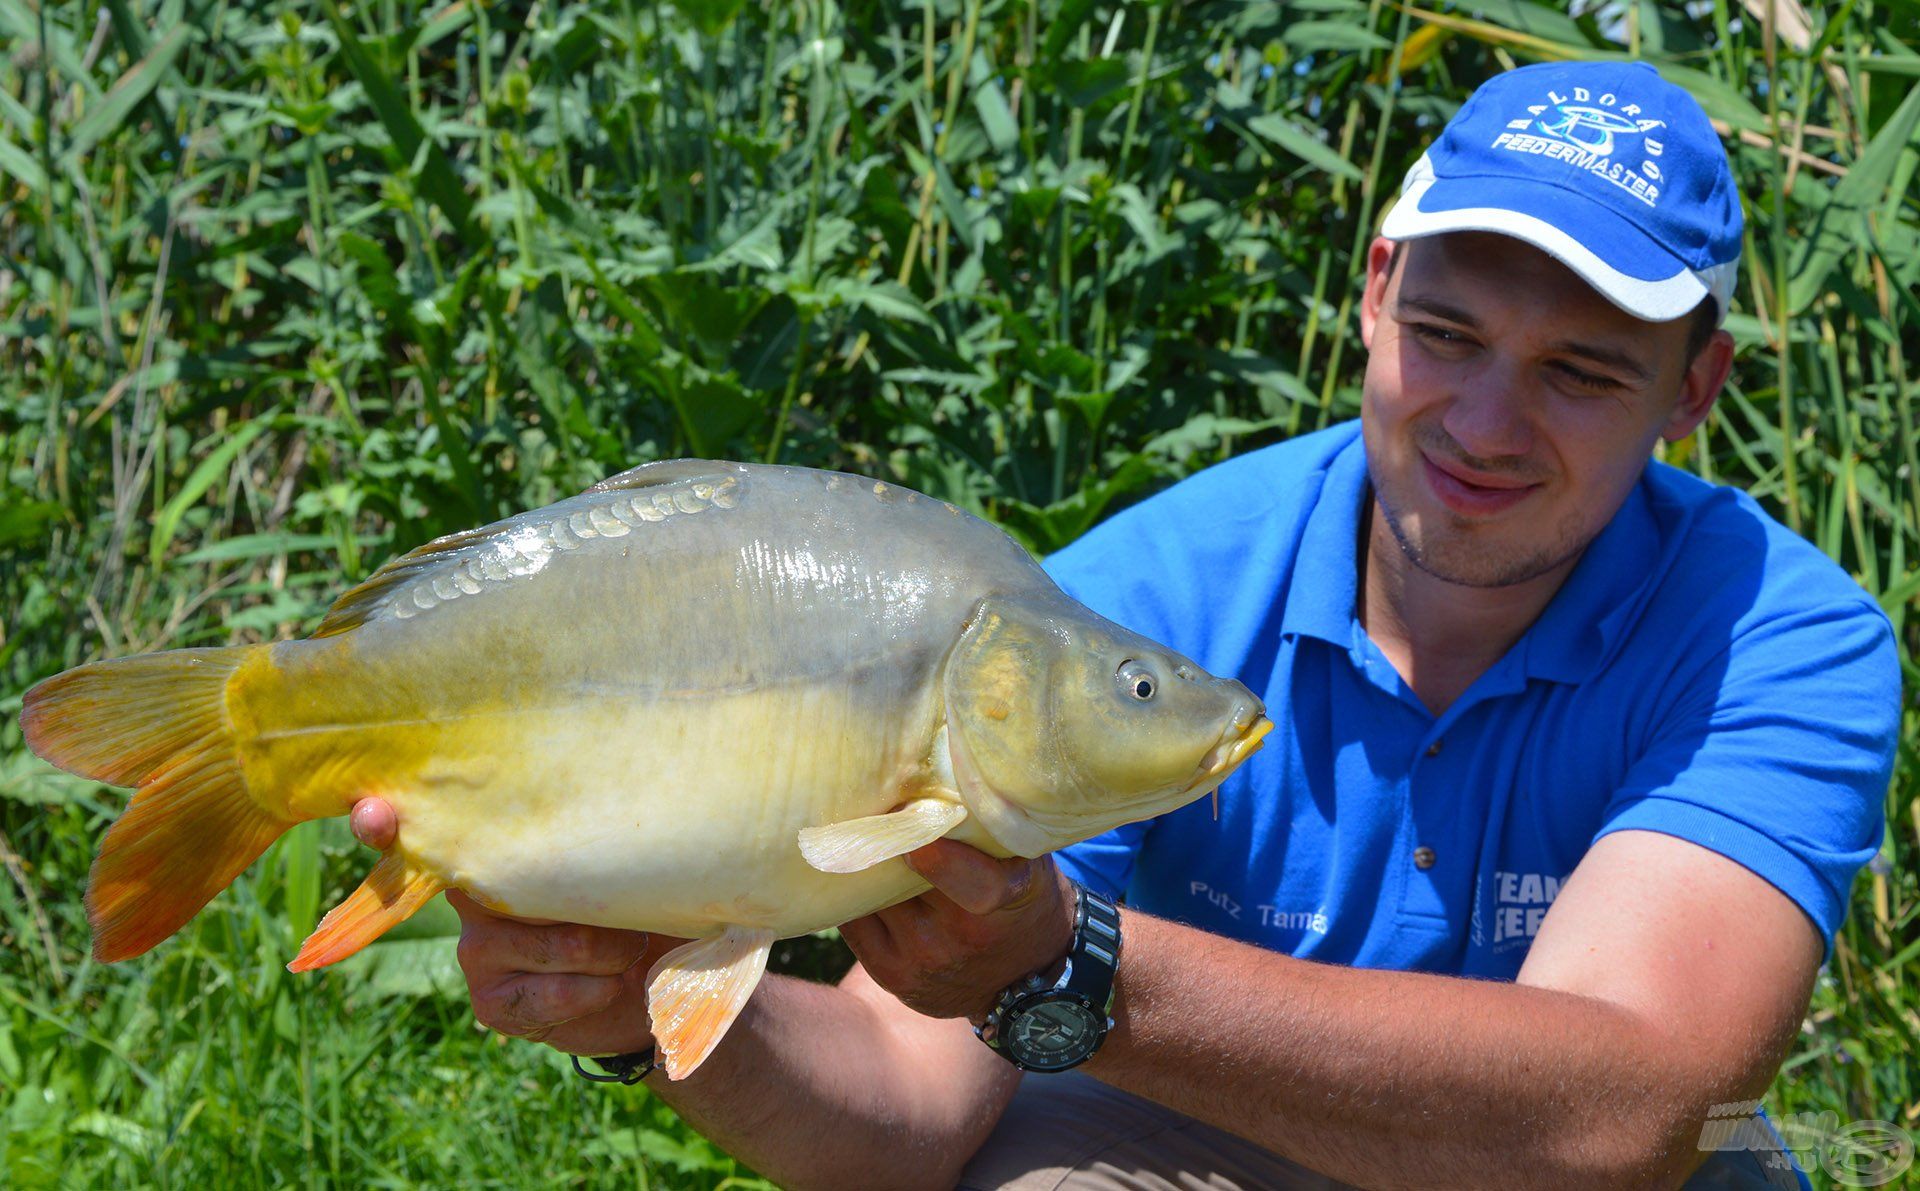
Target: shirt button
1433	750
1423	857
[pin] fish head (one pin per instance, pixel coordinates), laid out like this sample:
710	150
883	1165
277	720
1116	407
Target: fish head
1062	724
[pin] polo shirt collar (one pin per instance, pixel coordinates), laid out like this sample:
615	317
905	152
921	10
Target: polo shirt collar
1570	641
1326	570
1579	630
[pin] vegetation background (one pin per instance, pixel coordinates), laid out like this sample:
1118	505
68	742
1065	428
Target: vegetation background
290	286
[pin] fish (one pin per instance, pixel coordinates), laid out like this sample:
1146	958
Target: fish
711	700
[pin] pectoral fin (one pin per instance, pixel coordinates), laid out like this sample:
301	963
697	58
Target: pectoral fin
856	844
695	991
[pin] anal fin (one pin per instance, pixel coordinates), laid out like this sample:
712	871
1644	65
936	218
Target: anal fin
855	844
695	991
389	896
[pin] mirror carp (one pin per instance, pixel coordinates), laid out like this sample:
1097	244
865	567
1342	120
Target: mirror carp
716	701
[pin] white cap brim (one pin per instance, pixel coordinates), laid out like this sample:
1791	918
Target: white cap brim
1656	301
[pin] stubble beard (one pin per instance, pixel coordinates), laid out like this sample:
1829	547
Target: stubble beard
1469	563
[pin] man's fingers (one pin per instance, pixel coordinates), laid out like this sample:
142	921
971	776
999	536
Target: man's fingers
491	945
374	823
531	1006
973	880
869	938
903	919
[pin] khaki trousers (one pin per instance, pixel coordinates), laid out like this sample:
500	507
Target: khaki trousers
1073	1133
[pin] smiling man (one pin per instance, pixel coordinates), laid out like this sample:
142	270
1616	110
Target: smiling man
1575	760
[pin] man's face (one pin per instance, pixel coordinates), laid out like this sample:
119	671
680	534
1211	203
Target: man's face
1509	408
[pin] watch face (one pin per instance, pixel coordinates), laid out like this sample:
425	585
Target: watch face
1054	1035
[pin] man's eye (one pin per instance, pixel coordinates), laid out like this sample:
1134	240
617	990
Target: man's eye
1587	380
1436	334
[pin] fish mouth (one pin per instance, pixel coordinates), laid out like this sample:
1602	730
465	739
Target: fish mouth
1241	740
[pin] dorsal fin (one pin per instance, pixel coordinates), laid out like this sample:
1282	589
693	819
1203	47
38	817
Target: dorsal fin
668	471
358	603
476	558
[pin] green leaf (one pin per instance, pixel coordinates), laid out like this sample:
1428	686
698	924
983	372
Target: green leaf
757	248
22	521
415	969
1065	23
16	163
1145	222
1085	84
299	854
1900	64
105	116
131	1136
259	545
712	409
690	1154
26	778
888	299
711	17
995	116
211	470
1537	20
378	281
1902	590
1265	374
1838	225
1718	98
1312	37
1054	526
1204	434
410	143
1303	144
310	119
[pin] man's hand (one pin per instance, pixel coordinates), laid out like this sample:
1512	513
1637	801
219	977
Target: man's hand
985	924
580	989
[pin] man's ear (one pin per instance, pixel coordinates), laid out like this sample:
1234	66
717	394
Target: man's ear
1700	387
1379	256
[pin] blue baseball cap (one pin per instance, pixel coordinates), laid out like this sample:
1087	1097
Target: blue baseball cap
1605	166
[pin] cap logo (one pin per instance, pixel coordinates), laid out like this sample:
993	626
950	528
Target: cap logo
1586	132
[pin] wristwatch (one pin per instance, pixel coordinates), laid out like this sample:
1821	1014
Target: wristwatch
1039	1025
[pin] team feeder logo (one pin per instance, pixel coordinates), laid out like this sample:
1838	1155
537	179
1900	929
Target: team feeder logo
1594	133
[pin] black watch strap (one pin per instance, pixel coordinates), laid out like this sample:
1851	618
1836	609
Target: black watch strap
1095	954
629	1068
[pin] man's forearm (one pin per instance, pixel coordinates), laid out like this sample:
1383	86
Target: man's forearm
819	1086
1395	1078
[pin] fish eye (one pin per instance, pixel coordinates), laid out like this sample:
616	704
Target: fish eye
1136	680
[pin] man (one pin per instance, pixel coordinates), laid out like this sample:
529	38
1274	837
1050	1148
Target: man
1574	762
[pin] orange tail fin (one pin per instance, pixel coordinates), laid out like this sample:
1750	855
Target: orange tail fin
158	721
389	896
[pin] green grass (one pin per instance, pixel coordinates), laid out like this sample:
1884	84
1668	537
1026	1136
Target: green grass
287	287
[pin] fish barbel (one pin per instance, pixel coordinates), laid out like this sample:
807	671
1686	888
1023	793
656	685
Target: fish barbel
717	701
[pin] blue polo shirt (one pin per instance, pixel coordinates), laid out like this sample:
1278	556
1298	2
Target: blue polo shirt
1703	672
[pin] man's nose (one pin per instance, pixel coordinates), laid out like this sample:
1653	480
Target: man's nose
1491	414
